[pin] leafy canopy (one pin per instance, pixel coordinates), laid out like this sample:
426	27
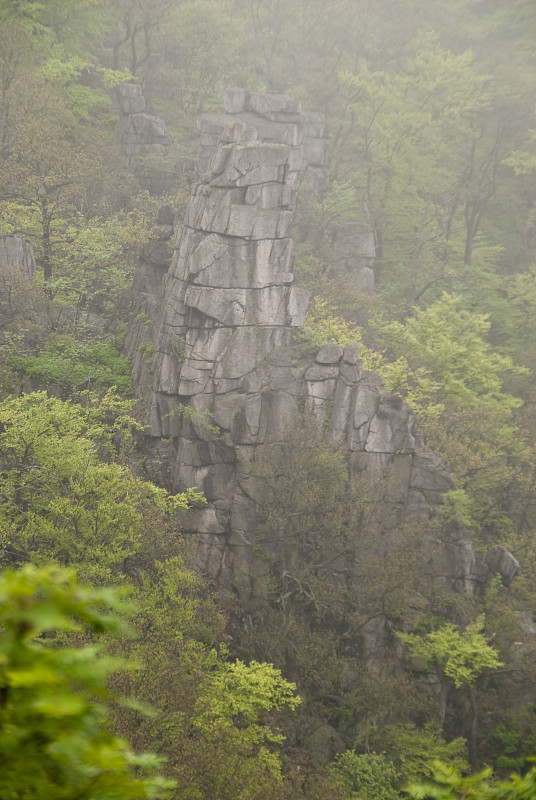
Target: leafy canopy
450	342
459	656
368	776
53	741
66	496
245	692
78	365
450	785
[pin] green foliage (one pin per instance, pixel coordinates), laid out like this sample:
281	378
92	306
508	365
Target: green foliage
415	384
323	326
244	693
430	111
53	739
64	72
147	347
507	742
457	380
450	343
76	365
102	256
520	290
411	757
450	785
328	573
396	125
201	41
178	344
54	166
459	656
457	506
144	318
53	20
215	720
368	776
324	213
415	749
252	690
203	421
61	502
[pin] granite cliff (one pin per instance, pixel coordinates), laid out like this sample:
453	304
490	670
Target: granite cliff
220	372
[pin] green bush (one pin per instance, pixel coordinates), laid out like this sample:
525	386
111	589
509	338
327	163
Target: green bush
73	365
368	776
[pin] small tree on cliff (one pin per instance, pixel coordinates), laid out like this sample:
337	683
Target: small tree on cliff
457	658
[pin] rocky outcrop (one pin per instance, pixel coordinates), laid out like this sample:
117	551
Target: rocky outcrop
24	308
271	119
354	251
143	138
17	255
501	562
229	298
220	373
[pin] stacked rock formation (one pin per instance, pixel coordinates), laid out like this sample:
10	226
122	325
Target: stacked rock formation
223	375
272	119
276	119
229	298
139	134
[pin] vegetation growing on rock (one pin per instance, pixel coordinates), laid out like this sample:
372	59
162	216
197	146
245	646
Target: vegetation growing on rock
332	531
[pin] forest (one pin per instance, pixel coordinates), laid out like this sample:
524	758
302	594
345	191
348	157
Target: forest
343	657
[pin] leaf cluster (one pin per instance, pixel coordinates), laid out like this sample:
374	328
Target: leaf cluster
66	496
458	656
53	737
77	365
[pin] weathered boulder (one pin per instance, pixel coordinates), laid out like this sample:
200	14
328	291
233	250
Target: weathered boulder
501	562
324	743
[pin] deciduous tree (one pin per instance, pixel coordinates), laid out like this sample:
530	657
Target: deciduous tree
53	712
458	658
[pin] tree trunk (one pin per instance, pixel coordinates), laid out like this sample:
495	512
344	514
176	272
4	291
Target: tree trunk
46	219
472	740
378	260
443	693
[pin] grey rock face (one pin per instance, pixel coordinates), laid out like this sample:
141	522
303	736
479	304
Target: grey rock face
266	119
225	375
324	743
23	306
17	254
353	254
501	562
139	134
